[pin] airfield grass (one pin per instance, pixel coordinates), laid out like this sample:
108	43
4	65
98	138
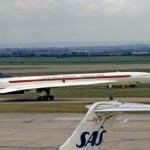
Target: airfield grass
47	108
74	60
95	92
42	108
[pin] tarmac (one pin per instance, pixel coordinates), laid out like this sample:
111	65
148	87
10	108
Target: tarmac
74	100
26	131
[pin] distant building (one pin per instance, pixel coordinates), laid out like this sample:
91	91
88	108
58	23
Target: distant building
140	53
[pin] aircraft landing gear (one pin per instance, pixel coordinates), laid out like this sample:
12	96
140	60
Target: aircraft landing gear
46	97
110	93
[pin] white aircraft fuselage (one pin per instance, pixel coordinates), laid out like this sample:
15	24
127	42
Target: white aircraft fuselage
14	84
115	78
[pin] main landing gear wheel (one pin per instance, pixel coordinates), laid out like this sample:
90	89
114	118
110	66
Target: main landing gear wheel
46	98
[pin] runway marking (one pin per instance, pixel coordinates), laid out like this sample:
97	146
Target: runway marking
67	119
126	120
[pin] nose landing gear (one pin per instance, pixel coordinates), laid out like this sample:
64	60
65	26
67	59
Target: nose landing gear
110	93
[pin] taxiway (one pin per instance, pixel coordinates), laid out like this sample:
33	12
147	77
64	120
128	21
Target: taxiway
73	100
48	131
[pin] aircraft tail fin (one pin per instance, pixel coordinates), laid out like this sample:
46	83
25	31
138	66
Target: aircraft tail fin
97	122
90	132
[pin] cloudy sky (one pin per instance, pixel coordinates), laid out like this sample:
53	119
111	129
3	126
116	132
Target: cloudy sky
33	21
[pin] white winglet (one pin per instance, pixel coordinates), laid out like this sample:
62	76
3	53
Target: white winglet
97	122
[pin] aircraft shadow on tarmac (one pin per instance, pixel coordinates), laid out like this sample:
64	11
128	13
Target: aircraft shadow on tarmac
3	100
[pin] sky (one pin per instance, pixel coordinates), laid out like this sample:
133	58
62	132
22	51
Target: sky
37	21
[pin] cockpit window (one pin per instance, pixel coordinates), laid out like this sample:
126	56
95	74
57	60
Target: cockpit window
2	75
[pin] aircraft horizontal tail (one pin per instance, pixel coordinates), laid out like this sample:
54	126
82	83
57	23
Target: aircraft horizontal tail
125	107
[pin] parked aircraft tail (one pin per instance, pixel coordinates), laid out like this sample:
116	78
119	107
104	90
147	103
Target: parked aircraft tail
97	123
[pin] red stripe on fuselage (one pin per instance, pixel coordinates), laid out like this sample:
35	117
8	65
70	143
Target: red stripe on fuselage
69	78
